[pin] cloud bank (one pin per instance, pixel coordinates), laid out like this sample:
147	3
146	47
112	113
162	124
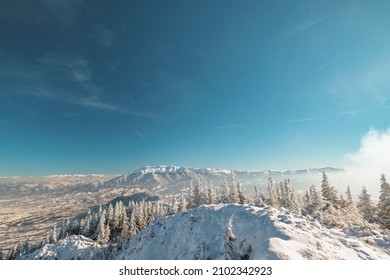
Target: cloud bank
373	154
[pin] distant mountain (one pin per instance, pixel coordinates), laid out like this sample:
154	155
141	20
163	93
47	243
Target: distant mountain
173	179
28	185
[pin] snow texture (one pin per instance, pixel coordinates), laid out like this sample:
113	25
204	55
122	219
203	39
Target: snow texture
230	232
75	247
255	233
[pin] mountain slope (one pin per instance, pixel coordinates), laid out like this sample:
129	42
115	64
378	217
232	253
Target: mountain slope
172	179
229	232
248	232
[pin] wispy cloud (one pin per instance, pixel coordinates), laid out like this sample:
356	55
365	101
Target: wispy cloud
350	114
232	126
331	61
307	24
103	35
40	12
301	120
139	133
363	87
59	77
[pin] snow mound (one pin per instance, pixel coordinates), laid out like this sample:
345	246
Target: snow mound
248	232
75	247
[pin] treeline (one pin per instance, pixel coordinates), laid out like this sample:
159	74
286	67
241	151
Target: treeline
116	224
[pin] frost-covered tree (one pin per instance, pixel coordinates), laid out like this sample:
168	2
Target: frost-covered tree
233	189
183	203
366	206
329	193
211	195
258	198
230	246
101	233
190	197
110	215
197	193
54	235
225	192
240	195
349	200
318	200
173	207
288	198
384	203
272	194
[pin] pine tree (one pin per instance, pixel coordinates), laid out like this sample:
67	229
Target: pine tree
232	189
225	196
101	234
329	193
240	194
24	248
173	207
318	201
211	195
183	204
110	215
366	206
384	203
291	200
258	198
197	193
272	195
349	200
230	247
54	234
190	197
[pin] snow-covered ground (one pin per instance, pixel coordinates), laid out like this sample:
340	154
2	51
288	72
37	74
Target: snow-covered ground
231	231
255	233
71	248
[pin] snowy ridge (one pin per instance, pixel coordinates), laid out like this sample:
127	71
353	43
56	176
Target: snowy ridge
229	232
170	169
75	247
254	233
168	179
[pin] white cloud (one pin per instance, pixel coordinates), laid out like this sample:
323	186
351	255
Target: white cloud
373	154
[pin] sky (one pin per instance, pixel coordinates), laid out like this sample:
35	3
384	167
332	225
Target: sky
104	87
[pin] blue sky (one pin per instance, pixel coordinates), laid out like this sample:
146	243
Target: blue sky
97	87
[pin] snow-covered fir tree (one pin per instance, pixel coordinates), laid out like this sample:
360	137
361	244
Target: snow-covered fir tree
182	207
329	193
240	194
272	194
197	196
230	246
365	206
384	203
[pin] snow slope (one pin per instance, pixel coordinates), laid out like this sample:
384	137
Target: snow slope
75	247
173	179
229	232
255	233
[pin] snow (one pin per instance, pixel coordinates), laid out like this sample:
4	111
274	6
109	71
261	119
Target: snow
263	233
253	233
75	247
